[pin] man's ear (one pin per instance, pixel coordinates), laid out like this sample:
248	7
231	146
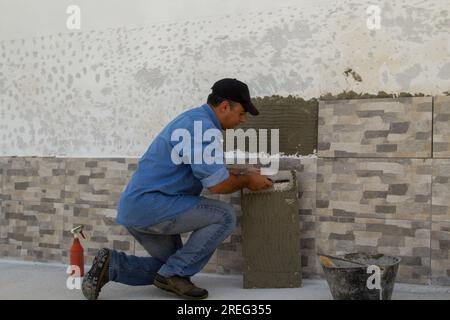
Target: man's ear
223	106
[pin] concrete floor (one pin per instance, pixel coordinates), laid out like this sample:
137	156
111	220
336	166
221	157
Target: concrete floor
24	281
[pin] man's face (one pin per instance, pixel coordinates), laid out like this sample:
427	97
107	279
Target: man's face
231	114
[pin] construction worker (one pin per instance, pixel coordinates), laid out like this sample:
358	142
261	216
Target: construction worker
162	200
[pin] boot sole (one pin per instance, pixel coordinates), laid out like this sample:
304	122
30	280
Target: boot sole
170	289
89	292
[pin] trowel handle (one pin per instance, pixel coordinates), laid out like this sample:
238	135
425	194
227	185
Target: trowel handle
279	181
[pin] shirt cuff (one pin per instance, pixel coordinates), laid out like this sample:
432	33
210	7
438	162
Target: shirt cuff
216	178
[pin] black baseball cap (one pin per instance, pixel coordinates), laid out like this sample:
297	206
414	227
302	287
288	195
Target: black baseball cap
235	90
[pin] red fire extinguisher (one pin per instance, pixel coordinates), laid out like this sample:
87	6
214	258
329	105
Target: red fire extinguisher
77	251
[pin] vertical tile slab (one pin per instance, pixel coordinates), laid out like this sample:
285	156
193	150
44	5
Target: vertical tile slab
308	250
3	164
441	190
229	253
374	188
3	222
440	253
409	240
271	233
306	177
375	128
441	127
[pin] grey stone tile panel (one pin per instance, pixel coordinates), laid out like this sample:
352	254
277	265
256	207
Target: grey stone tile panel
34	179
440	253
3	163
441	127
32	231
97	181
374	188
375	128
441	190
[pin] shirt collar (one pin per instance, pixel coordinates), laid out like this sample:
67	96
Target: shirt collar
212	115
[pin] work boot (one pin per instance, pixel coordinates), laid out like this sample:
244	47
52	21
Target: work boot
97	276
181	286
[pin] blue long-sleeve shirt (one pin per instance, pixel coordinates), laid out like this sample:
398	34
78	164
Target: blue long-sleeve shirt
162	188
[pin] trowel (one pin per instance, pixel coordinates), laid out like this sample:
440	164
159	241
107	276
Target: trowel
279	180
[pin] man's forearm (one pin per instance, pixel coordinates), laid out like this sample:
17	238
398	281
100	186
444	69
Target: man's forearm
232	184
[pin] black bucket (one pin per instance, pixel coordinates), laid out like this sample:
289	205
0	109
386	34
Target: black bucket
348	279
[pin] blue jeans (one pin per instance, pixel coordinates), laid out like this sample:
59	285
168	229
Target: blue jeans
211	222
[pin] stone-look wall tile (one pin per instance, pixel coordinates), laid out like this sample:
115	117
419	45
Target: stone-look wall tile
408	239
31	230
34	179
308	251
441	190
100	230
375	128
39	230
3	221
231	248
139	250
306	178
440	253
229	253
230	262
92	192
211	267
374	188
3	164
441	127
97	181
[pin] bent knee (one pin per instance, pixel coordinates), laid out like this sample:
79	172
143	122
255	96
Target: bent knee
227	212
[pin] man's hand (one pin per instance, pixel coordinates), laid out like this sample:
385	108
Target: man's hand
258	182
253	181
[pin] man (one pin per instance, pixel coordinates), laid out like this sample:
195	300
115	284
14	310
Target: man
162	200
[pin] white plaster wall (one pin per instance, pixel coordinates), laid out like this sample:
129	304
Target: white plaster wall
106	90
